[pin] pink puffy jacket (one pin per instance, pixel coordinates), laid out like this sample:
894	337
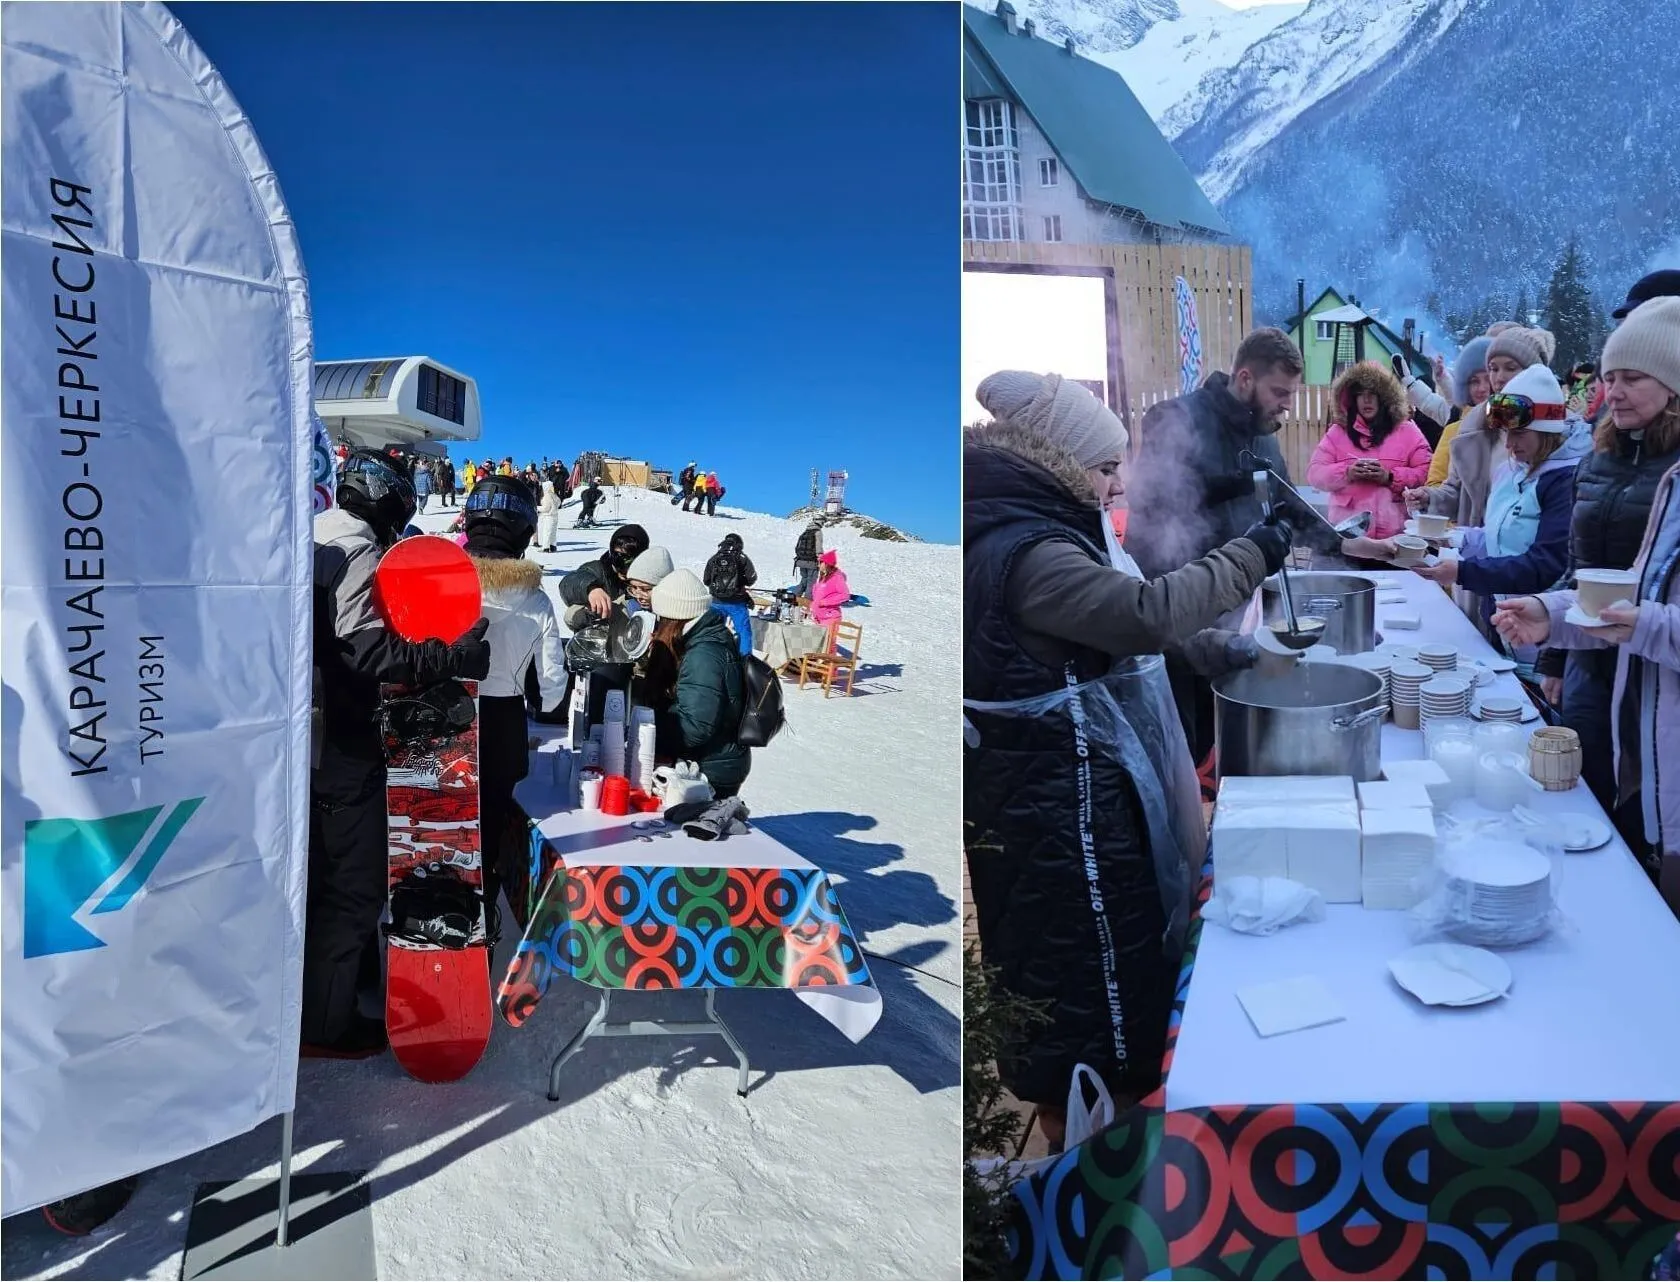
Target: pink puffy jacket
1404	452
827	596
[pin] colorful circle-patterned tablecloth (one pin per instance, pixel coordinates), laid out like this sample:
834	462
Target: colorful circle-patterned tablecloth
633	920
1382	1190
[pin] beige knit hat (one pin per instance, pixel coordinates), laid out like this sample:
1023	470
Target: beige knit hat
1648	341
680	595
1525	346
1062	411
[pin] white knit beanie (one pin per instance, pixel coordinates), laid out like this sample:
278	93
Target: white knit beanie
1060	410
650	567
680	595
1540	385
1648	341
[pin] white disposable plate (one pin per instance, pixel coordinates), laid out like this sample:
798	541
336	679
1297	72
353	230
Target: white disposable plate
1451	974
1529	711
1579	832
1497	865
1581	619
1498	663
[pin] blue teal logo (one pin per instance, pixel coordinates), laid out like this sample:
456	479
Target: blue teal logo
68	862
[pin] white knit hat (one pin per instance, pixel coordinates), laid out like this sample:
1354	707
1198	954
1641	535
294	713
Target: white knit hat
680	595
1540	385
650	567
1648	341
1062	411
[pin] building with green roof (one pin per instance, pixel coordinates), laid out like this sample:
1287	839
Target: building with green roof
1058	149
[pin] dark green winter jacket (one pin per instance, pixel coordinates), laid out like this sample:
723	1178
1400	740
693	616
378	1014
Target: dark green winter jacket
705	716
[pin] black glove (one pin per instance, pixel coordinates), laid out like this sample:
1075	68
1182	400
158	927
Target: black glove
1241	651
1273	537
469	658
1228	486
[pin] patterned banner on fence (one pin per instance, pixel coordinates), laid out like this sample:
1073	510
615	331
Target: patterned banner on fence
1189	337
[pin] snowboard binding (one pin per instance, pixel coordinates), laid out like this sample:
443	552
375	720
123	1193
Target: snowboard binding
430	716
434	912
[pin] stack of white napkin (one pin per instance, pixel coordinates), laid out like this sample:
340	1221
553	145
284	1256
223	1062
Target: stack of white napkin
1399	850
1304	828
1428	773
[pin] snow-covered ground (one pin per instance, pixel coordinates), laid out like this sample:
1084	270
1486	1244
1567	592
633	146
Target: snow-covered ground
843	1160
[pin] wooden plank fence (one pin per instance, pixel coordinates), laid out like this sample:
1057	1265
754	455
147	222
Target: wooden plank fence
1303	427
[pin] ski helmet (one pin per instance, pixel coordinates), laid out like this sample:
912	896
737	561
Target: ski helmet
503	500
372	489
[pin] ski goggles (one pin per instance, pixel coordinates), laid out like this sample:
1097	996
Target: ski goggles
1510	413
381	477
496	499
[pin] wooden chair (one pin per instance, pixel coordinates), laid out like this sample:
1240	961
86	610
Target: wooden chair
838	661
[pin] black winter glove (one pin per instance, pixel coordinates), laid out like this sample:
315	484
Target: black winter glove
1273	537
1241	651
469	658
1228	486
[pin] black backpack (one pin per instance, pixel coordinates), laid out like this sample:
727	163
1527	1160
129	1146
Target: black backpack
762	716
723	575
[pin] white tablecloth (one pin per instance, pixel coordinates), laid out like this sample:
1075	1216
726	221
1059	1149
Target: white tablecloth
1593	1015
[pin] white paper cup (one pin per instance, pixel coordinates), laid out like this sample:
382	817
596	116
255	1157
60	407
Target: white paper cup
1409	549
589	789
1431	525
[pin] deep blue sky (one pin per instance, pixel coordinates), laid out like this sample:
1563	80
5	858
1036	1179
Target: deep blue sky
725	232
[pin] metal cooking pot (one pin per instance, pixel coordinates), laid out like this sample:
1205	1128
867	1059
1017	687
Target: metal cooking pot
1346	602
1320	719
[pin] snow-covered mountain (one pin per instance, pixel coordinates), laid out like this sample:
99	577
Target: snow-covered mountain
1335	45
1423	154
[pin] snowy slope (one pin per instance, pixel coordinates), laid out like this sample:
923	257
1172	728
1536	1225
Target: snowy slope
1166	66
842	1162
1335	44
1162	48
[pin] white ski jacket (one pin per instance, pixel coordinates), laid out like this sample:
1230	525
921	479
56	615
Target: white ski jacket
523	630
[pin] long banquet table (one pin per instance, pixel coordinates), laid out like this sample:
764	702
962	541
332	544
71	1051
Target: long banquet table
1538	1136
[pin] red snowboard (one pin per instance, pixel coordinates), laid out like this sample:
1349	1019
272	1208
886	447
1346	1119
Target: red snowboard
438	1008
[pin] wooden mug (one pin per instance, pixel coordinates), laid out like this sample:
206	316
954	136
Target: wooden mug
1554	758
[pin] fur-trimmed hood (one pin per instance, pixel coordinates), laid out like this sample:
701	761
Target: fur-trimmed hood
507	573
1004	434
1367	376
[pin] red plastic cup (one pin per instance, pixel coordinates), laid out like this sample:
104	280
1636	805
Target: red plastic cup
615	795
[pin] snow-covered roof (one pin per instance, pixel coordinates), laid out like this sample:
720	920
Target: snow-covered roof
1345	315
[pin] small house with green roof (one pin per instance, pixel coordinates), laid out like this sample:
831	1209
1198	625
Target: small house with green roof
1334	332
1058	149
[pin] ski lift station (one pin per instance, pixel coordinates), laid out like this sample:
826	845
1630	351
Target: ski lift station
408	401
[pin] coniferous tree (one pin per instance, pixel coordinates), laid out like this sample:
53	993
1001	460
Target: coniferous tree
1569	310
1523	307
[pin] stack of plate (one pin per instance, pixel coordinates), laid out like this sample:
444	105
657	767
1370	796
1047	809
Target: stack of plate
1501	708
1499	893
1443	697
1438	658
1404	682
1398	650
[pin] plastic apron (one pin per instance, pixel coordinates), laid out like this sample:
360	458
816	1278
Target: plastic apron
1128	714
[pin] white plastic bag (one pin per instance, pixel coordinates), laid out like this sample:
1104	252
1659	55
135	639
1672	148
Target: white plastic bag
1083	1121
1261	905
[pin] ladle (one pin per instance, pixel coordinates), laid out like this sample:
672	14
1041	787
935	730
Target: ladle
1351	527
1295	639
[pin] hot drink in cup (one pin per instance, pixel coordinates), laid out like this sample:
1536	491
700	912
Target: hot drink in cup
1431	526
1597	590
1409	549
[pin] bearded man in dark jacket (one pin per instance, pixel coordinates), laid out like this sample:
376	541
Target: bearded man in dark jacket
1191	488
1079	864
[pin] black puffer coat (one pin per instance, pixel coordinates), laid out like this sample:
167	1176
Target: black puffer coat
1613	493
1065	889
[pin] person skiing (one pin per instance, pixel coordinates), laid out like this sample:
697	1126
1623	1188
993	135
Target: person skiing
354	653
728	576
806	550
590	497
525	640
